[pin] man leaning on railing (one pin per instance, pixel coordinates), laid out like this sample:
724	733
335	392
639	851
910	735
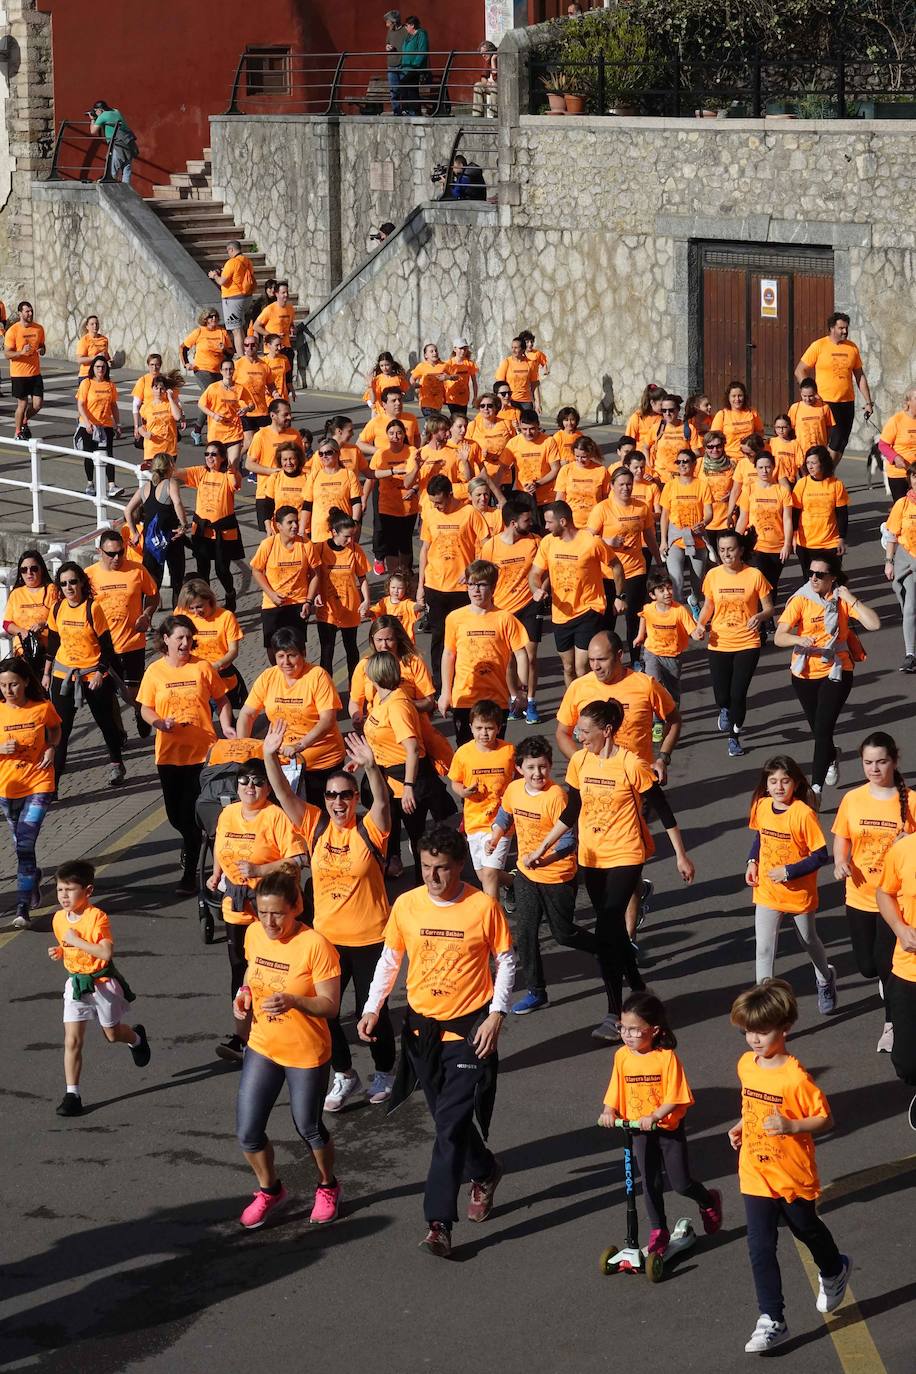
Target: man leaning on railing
111	125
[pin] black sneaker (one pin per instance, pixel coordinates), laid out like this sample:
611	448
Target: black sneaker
141	1053
908	665
230	1050
187	884
71	1104
25	432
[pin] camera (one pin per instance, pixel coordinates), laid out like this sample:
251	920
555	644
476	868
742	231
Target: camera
376	238
439	172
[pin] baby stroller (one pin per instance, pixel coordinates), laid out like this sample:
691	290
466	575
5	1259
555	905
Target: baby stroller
218	788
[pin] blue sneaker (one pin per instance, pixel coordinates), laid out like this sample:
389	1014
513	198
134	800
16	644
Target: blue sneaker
736	749
724	721
693	607
531	714
826	993
533	1000
638	666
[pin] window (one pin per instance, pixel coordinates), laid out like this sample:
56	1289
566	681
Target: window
267	71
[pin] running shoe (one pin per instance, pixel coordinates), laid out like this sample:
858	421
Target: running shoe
533	1000
908	665
90	488
438	1240
724	721
531	713
736	749
886	1043
196	437
509	899
816	795
658	732
116	775
658	1241
516	712
25	432
826	993
380	1086
646	888
609	1030
35	899
21	921
832	1291
711	1216
114	491
71	1104
832	776
343	1088
140	1053
480	1197
260	1207
693	607
327	1204
18	435
230	1050
378	567
767	1335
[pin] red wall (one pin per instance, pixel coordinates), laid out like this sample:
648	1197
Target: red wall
168	66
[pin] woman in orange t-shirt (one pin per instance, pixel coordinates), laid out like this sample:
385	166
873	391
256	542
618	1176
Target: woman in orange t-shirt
91	344
900	564
429	377
215	535
737	601
766	507
218	635
225	405
28	606
396	468
492	433
79	654
29	732
645	424
99	421
339	590
386	373
698	411
821	515
686	510
627	527
736	419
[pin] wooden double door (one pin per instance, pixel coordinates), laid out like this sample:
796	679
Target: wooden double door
761	308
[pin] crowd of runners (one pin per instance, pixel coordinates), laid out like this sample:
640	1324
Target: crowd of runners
484	531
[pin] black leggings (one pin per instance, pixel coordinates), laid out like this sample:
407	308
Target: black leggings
357	963
873	944
438	606
554	903
235	948
280	618
215	553
666	1149
85	442
609	891
771	565
822	699
901	1009
103	706
180	784
731	675
260	1086
327	638
763	1214
634	591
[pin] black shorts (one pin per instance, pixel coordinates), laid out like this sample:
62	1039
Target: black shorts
396	533
578	632
532	623
252	423
844	413
130	665
21	388
264	507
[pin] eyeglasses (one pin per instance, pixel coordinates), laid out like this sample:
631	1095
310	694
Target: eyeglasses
327	453
30	567
212	453
348	795
252	782
250	343
821	576
477	585
70	582
684	462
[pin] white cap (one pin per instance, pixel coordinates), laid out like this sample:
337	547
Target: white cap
460	343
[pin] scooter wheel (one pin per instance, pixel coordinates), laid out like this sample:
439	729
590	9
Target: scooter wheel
207	929
655	1267
604	1263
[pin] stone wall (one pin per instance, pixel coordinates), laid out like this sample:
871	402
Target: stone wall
102	249
26	110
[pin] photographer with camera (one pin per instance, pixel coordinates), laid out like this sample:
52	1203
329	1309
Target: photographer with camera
466	181
379	235
111	125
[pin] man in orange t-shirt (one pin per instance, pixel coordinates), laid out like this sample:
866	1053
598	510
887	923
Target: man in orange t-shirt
261	457
279	318
835	364
484	655
520	373
236	284
450	933
24	345
129	597
449	536
512	552
575	563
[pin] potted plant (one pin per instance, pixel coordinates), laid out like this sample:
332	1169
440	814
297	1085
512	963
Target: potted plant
555	84
613	57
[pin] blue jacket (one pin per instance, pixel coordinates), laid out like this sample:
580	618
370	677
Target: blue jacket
415	52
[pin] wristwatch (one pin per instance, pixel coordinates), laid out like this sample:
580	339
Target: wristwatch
664	756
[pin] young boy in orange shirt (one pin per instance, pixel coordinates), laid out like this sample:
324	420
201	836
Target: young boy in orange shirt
479	774
94	990
782	1110
664	633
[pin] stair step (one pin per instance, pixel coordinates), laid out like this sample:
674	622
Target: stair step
203	209
201	167
189	179
208	154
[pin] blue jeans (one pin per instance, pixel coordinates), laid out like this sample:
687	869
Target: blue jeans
394	87
25	816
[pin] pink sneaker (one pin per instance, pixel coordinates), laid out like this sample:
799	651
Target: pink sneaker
327	1203
260	1206
711	1217
658	1241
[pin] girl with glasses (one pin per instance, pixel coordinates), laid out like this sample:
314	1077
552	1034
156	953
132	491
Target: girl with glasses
491	434
28	606
686	506
821	510
718	471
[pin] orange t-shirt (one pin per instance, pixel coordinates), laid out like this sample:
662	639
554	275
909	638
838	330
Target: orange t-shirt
582	487
379	384
818	503
493	440
492	770
25	607
161	427
735	598
238	750
899	880
295	966
21	774
482	642
458	383
263	450
452	537
736	425
806	617
834	365
351	457
341	572
684	503
640	1083
286	490
445	462
781	1166
787	834
765	506
513	590
351	904
720	485
575	568
278	319
416	682
213	637
566	442
215	497
431	389
900	433
99	400
405	611
669	444
375	431
645	429
226	402
612	831
326	489
254	377
448	946
184	693
17	337
120	592
257	839
533	459
534	815
80	628
387	726
667	631
790	458
280	372
239	275
812	424
299	704
641	697
611	519
902	523
93	926
288	571
211	347
649	494
91	346
521	375
871	826
392	493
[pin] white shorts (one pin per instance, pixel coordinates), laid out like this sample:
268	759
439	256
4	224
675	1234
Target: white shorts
106	1004
480	858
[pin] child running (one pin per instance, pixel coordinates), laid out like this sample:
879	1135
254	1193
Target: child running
480	772
664	633
398	602
94	989
782	1109
787	850
648	1085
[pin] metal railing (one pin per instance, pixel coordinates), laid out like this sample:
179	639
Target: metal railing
79	155
280	81
821	88
38	488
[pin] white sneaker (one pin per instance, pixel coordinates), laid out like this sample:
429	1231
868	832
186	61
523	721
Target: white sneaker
886	1043
380	1085
90	488
832	775
114	491
767	1334
343	1087
832	1291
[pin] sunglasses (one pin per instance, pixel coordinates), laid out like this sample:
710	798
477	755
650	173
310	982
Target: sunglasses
252	782
668	410
487	405
30	567
70	582
714	444
213	453
111	553
250	343
348	795
684	462
327	453
821	576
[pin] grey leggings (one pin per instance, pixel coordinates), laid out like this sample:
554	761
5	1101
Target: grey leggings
259	1088
905	592
676	562
766	928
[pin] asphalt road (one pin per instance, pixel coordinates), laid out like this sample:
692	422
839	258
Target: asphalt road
122	1250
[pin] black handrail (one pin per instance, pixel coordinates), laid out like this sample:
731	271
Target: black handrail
90	142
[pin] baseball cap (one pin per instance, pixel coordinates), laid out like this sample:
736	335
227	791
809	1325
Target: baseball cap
460	343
